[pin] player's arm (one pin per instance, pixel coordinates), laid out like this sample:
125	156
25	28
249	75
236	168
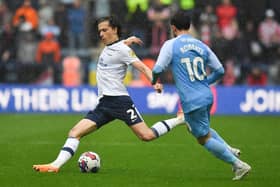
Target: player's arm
164	59
157	70
140	66
217	70
157	86
145	70
215	75
133	40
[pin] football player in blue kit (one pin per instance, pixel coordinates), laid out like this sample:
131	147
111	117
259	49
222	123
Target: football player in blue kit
188	58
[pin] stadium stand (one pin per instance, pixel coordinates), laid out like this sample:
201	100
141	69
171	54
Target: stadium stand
243	34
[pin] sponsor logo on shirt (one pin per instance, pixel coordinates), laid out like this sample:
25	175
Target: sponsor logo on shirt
132	54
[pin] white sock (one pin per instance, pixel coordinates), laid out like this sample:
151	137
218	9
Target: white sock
229	147
162	127
67	151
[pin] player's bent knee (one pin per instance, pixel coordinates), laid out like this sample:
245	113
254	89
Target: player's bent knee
143	132
82	128
203	139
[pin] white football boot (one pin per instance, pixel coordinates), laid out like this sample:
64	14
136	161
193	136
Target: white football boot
241	171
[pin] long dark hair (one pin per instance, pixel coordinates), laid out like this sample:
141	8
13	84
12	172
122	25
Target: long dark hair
113	22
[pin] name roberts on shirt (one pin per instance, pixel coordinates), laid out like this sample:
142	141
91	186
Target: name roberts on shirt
191	47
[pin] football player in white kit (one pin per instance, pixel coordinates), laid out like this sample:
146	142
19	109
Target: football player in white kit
114	100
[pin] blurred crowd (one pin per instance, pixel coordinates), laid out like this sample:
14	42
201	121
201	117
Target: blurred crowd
55	42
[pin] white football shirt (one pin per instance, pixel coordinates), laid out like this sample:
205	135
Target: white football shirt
112	67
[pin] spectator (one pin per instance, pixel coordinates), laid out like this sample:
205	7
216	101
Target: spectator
98	9
48	51
48	54
46	13
76	20
5	14
102	8
7	43
225	12
60	19
231	30
269	36
136	16
249	50
25	22
273	73
50	27
227	41
27	13
229	78
208	25
252	43
158	15
8	72
116	6
257	77
26	47
13	5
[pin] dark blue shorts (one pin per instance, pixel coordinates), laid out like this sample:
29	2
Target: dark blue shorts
110	108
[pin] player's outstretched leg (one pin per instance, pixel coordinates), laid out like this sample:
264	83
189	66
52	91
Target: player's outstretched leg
64	155
220	150
162	127
216	136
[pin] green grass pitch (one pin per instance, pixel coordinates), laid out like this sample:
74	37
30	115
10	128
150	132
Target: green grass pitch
172	160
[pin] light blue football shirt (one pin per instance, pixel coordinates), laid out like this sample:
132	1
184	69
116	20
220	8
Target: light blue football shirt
188	58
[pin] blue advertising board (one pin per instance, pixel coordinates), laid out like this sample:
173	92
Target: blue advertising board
248	100
238	100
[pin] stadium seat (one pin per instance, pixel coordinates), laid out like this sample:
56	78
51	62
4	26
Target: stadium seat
71	75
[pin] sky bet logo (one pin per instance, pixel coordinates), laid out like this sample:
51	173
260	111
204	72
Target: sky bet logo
261	100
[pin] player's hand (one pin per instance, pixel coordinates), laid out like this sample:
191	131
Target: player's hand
158	87
133	40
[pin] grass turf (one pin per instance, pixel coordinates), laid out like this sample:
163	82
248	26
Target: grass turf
173	160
